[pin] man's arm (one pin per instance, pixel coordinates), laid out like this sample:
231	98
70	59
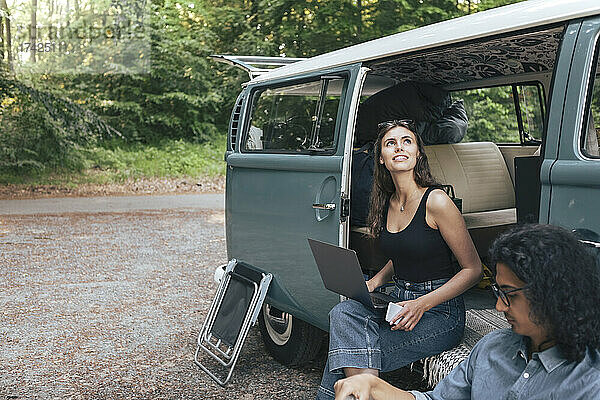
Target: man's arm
456	386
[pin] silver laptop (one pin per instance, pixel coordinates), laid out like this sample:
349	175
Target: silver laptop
341	273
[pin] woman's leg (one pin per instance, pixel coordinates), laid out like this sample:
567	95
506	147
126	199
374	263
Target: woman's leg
440	329
353	343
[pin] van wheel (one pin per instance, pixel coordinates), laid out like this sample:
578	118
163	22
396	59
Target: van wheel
289	340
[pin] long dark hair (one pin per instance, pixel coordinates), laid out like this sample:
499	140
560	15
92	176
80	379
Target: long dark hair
562	280
383	185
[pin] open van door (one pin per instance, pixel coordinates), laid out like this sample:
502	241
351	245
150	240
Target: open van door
572	181
288	167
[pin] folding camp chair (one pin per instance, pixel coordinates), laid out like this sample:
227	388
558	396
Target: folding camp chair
233	311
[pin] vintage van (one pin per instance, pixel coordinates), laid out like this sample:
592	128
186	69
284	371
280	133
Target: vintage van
292	132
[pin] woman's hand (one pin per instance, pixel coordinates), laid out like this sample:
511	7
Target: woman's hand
371	285
410	315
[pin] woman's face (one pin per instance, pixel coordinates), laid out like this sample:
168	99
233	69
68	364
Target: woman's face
399	150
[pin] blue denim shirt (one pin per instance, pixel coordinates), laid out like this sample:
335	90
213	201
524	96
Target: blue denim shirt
497	368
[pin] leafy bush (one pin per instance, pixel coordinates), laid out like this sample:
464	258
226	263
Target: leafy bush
39	131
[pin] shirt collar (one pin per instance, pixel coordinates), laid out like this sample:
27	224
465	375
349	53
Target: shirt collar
549	358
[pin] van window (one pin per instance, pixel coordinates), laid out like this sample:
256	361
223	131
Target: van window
591	128
504	114
298	118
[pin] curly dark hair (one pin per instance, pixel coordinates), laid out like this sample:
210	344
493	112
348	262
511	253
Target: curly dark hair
383	185
563	283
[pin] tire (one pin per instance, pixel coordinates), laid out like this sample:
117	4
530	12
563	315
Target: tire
289	340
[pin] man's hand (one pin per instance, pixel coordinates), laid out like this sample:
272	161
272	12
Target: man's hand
358	386
368	387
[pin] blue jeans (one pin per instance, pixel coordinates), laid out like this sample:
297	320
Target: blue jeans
360	337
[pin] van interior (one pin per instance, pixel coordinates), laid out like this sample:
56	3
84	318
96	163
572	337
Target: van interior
495	168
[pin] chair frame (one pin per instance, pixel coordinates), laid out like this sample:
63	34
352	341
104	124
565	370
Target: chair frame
225	354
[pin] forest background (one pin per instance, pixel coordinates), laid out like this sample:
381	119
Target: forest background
106	90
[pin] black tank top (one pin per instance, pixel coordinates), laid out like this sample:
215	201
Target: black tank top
419	252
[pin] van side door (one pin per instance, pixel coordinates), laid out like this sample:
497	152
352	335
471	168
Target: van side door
286	181
573	182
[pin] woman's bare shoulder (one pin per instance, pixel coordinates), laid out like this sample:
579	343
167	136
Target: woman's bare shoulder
438	201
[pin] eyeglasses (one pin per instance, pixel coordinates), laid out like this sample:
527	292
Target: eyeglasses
502	294
405	123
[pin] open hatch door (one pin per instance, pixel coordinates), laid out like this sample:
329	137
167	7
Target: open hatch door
255	65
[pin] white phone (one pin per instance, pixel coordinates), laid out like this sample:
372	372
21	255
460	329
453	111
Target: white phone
392	310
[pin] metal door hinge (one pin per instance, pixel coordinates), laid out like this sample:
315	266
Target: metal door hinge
345	211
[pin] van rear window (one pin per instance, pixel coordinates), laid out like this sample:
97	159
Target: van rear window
590	142
299	118
504	114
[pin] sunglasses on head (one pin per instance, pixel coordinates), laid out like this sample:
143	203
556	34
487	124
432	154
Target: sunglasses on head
404	123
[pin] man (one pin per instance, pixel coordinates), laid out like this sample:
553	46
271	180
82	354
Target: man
548	287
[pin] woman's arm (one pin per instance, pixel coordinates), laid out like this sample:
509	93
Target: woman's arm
382	277
442	214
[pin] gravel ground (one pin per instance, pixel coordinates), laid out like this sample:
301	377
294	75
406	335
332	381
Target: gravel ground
109	305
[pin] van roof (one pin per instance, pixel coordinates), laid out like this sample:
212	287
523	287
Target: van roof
498	21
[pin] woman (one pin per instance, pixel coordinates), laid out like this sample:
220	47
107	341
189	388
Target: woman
419	228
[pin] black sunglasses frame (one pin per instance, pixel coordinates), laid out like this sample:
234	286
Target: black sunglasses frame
502	294
405	123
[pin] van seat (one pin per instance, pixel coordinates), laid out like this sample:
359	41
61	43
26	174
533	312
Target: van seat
480	177
485	219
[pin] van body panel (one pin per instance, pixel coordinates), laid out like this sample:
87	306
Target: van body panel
575	179
270	212
283	162
556	106
498	21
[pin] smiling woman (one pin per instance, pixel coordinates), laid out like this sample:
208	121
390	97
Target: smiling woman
417	230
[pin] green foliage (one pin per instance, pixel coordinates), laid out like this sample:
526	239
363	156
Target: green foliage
41	131
176	158
60	120
116	160
491	114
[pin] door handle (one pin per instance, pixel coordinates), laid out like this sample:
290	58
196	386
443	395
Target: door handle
328	206
590	243
587	237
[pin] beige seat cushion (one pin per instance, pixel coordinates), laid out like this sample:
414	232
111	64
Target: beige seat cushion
486	219
477	172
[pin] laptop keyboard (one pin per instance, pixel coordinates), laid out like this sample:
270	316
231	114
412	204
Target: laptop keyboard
380	300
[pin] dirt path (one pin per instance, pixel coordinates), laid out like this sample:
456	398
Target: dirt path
143	186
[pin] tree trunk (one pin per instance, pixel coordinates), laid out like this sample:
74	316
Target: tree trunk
33	30
2	44
51	30
68	14
8	38
359	27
